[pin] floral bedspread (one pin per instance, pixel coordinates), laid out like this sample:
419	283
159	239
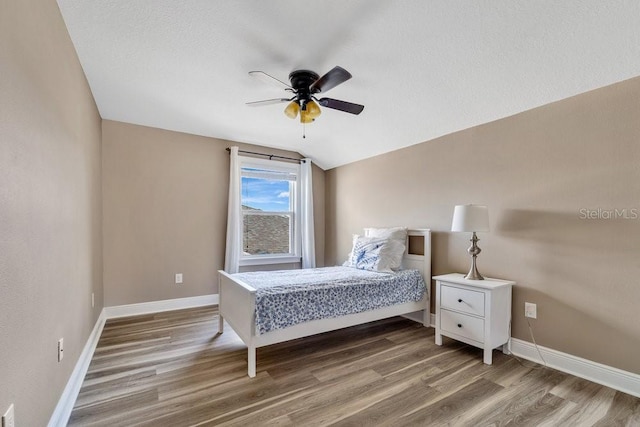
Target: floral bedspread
289	297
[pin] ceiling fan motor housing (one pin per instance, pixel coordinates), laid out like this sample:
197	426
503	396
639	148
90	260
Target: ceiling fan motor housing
301	80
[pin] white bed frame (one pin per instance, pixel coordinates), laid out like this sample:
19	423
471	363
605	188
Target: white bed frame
237	302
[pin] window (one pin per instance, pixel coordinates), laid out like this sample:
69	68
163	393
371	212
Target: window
269	199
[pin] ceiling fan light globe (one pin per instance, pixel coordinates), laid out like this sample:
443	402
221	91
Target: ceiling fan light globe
313	110
292	110
305	117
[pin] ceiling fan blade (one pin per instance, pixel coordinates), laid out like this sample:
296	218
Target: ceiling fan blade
345	106
268	102
330	80
264	77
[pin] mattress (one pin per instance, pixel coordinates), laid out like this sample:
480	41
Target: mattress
289	297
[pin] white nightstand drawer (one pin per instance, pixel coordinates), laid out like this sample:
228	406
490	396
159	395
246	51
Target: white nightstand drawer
463	325
463	300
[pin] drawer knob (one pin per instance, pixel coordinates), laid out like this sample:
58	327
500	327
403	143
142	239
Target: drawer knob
459	299
459	325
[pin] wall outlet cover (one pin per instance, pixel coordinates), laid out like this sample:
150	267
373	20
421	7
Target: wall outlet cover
178	278
530	310
60	349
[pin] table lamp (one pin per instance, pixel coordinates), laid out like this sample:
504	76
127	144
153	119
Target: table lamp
471	218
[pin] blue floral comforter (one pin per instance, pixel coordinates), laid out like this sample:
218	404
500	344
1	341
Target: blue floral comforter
286	298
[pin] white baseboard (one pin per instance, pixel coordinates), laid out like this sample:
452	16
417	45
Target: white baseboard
159	306
618	379
62	412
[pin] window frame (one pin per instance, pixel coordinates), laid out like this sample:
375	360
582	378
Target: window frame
295	240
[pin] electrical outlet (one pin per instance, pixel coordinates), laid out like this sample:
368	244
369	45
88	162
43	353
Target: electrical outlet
9	418
530	310
60	349
178	278
93	299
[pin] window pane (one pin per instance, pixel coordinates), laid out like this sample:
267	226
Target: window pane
266	234
266	194
268	203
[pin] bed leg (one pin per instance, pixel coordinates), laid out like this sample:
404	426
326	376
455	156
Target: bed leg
426	318
251	361
220	324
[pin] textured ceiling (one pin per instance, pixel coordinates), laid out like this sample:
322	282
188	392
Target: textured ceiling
422	68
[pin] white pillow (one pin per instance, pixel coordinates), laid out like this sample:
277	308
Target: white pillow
392	252
395	233
391	255
366	253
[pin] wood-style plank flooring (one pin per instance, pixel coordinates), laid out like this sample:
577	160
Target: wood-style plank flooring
173	369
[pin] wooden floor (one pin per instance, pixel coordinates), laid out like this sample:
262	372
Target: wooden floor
172	369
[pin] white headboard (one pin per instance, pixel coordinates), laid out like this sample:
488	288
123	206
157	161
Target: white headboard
418	252
418	256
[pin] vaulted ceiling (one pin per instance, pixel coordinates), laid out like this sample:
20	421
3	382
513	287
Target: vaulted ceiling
422	68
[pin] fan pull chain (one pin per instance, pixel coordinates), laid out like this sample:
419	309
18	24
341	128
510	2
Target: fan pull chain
304	131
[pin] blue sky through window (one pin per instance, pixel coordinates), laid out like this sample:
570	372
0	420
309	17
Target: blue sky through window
265	194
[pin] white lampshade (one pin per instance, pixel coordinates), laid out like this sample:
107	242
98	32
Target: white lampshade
470	218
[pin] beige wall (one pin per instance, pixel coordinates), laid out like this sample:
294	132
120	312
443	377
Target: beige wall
50	208
535	171
165	212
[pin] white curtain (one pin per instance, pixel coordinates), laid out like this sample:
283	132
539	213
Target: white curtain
234	236
306	216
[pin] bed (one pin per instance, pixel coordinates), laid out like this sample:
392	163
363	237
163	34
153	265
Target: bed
239	301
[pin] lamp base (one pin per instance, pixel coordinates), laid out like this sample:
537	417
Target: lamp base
474	251
473	273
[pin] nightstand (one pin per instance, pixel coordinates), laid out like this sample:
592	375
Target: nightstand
476	312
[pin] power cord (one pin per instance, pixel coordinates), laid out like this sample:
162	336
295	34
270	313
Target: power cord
536	366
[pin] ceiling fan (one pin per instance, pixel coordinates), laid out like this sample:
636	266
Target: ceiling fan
304	86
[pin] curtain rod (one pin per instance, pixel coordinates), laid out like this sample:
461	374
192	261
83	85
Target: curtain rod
270	156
